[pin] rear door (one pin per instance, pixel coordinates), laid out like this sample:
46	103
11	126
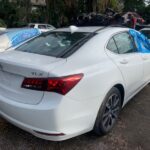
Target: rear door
146	62
123	52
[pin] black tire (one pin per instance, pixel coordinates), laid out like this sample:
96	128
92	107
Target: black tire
108	113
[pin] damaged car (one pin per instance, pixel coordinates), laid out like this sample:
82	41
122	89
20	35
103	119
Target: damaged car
70	81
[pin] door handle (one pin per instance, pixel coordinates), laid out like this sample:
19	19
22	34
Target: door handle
124	61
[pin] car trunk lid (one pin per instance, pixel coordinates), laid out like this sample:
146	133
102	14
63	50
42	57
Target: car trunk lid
15	66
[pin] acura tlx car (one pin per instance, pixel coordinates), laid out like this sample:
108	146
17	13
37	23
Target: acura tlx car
62	83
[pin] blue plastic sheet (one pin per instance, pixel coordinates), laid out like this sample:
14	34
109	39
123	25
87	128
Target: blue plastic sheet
141	41
20	36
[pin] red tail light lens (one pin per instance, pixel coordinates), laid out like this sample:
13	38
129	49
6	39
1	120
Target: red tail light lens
61	85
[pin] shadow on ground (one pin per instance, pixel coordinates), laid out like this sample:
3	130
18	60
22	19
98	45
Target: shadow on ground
132	132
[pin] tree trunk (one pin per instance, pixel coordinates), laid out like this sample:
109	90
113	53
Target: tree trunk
94	5
28	10
48	3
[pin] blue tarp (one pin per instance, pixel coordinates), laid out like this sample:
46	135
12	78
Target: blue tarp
141	41
19	36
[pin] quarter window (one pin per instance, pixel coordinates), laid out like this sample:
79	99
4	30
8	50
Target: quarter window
124	43
112	46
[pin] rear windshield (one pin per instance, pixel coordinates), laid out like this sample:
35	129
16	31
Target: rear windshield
146	33
53	43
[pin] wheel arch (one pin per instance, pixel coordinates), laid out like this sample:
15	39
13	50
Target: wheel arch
120	87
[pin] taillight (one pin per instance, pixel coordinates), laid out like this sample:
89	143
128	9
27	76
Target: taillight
61	85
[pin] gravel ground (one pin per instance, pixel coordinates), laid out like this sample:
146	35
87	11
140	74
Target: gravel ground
132	132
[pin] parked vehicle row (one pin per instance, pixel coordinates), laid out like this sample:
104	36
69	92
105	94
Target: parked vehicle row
41	27
70	81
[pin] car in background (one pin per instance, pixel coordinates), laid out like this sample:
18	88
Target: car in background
41	27
2	29
71	81
146	32
12	37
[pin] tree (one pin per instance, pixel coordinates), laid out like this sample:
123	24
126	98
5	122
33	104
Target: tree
60	11
7	12
146	13
28	9
134	5
147	2
116	5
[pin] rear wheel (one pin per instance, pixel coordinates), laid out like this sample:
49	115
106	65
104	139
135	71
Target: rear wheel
108	113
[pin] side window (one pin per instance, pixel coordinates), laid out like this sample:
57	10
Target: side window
112	46
124	43
42	26
31	26
49	27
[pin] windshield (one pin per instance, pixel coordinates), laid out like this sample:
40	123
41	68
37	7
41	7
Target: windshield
146	33
53	43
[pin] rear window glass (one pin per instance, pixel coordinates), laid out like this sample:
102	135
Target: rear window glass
53	43
124	43
112	46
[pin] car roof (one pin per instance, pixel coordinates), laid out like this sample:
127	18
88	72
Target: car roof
81	29
96	29
38	24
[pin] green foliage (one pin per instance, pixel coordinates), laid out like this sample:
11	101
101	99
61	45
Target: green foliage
2	23
57	12
142	7
7	12
146	13
134	5
116	5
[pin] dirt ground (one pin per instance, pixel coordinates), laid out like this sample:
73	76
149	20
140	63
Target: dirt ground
132	132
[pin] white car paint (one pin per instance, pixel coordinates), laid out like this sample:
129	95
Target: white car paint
62	117
2	29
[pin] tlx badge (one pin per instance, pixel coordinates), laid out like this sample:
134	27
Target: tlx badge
37	74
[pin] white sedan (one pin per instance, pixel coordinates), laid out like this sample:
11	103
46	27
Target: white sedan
62	84
41	27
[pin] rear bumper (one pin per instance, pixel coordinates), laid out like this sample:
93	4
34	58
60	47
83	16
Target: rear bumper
55	120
